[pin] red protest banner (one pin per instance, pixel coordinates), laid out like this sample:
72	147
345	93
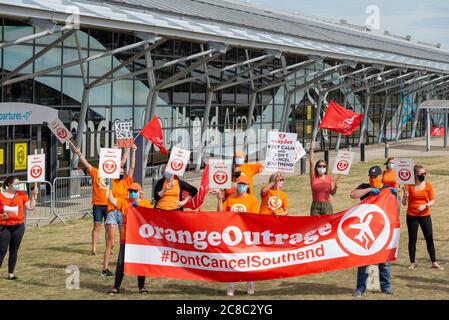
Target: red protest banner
437	131
229	247
340	120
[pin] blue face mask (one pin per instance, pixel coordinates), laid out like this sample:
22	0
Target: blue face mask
241	188
167	175
133	194
14	187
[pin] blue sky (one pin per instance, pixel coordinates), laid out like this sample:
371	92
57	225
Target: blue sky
424	20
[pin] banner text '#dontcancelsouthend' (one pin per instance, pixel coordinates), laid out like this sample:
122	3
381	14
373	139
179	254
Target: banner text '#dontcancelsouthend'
232	236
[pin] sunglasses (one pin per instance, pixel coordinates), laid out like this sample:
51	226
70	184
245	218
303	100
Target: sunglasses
321	166
423	174
281	179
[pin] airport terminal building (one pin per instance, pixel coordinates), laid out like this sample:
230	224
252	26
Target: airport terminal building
199	65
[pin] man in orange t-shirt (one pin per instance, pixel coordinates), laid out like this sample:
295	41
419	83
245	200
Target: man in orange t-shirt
99	198
245	169
133	198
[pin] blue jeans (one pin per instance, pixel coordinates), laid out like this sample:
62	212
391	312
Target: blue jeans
384	277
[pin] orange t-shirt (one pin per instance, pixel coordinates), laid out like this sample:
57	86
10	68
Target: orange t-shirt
119	190
98	188
273	202
236	203
170	199
122	206
19	200
417	198
249	170
389	178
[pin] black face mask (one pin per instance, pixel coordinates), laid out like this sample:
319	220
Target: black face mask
121	176
421	178
237	174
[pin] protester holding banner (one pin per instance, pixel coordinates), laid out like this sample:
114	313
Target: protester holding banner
12	220
322	184
241	168
363	191
274	200
241	202
169	190
420	198
121	204
389	174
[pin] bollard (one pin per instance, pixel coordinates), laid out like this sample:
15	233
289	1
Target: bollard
386	150
326	156
362	152
303	165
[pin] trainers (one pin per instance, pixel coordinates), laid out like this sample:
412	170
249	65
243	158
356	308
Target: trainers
107	273
387	291
230	291
358	293
250	288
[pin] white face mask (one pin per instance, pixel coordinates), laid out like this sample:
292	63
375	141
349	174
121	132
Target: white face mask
390	166
321	171
239	160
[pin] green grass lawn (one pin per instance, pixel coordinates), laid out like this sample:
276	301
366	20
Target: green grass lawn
47	251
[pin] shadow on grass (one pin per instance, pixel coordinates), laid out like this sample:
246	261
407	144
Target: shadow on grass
415	279
283	289
71	249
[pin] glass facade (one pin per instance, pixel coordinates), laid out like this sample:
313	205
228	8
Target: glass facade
179	108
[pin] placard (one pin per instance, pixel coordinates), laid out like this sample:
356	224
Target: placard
177	164
109	166
60	131
299	151
220	174
405	172
343	162
36	168
124	133
281	154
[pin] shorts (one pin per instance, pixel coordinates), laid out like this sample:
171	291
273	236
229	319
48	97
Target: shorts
114	217
321	208
99	213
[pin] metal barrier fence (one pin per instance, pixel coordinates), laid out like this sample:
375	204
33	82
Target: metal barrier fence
72	196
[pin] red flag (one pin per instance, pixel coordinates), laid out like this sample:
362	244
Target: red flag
153	132
340	119
437	132
198	199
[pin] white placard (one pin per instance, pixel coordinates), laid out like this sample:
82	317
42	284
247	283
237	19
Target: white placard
36	168
177	164
405	173
60	131
299	150
109	165
281	154
220	174
343	162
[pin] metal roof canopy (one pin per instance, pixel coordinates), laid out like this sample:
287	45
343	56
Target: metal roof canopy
434	107
125	18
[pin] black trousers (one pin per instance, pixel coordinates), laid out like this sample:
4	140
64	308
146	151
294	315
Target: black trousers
413	223
120	270
10	237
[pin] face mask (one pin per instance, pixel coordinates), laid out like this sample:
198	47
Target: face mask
375	182
390	166
421	178
241	188
167	175
321	171
14	187
133	194
239	160
121	176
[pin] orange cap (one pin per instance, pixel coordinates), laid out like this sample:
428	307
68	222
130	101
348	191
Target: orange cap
135	186
243	179
240	154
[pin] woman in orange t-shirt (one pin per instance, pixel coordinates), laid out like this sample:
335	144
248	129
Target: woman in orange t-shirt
420	198
12	220
240	202
274	200
389	175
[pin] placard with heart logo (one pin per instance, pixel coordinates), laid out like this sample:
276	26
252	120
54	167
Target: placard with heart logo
220	174
343	162
109	165
36	168
177	164
404	171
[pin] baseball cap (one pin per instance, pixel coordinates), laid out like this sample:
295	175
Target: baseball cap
374	171
243	179
135	186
